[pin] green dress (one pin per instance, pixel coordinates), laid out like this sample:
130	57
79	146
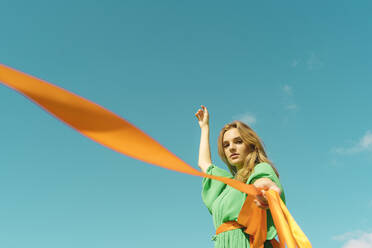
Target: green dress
225	202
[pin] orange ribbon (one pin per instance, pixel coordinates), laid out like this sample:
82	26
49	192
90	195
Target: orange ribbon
288	230
253	219
114	132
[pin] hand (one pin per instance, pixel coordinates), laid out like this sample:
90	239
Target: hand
264	184
203	117
261	200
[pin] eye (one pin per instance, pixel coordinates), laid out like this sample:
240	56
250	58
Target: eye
239	141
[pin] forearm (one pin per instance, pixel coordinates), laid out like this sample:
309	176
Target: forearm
266	183
204	150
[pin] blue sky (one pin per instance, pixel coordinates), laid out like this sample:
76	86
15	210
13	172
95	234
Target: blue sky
297	72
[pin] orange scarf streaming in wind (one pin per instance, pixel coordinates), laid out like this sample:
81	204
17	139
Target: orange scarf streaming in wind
112	131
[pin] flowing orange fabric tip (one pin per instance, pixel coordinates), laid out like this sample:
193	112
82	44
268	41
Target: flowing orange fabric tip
289	232
102	125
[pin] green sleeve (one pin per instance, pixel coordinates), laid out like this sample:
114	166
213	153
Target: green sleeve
211	188
264	170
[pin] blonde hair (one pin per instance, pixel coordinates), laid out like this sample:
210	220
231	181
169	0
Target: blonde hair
256	155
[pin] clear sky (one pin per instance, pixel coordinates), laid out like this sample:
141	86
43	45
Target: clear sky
298	72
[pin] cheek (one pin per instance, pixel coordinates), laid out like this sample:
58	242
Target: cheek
226	155
244	150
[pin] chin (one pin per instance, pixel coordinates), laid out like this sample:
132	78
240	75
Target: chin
236	162
236	165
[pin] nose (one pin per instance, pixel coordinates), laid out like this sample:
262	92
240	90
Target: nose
232	148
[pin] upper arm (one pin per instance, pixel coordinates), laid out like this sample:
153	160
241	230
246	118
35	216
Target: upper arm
266	183
211	188
204	167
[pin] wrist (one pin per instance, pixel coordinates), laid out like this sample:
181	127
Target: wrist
205	128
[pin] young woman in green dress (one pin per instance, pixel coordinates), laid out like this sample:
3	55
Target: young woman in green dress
242	151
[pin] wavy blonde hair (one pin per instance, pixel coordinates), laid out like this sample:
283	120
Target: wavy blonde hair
256	155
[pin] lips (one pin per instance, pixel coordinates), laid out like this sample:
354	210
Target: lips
234	154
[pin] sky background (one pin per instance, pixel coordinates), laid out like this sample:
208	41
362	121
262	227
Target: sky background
298	72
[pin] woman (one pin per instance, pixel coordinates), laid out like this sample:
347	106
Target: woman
243	153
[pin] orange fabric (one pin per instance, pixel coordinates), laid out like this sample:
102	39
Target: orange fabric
274	243
251	241
227	226
232	225
253	219
103	126
288	231
116	133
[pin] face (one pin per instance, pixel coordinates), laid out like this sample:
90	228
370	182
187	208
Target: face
235	150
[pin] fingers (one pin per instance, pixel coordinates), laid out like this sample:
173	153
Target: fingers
205	109
276	188
263	193
201	113
260	204
261	200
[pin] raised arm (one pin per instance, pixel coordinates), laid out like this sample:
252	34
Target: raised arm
204	148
